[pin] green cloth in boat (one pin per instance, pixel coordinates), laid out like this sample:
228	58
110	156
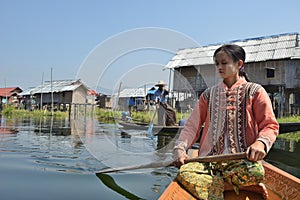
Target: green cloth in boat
206	180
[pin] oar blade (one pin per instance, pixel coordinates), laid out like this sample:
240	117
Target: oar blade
133	167
150	135
150	130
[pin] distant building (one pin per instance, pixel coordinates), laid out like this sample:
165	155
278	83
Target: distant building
272	61
139	96
142	98
9	95
91	96
104	100
65	93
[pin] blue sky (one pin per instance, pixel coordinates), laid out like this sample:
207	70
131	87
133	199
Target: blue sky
37	35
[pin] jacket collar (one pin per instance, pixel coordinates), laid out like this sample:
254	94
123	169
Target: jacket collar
240	82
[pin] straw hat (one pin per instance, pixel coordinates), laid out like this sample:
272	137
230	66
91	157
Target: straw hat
161	83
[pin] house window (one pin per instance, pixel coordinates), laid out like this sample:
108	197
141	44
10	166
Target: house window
270	72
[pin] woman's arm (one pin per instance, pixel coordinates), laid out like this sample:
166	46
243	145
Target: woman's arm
190	131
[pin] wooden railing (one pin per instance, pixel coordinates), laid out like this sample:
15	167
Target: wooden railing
82	110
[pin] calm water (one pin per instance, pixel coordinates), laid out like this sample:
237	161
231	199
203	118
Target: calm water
44	159
48	159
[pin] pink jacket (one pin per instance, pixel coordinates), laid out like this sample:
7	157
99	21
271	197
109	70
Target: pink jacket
233	119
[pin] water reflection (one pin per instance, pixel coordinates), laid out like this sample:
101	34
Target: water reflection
286	145
285	155
6	126
44	126
112	149
48	142
55	150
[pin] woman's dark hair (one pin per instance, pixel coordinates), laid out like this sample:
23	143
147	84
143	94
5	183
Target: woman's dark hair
237	53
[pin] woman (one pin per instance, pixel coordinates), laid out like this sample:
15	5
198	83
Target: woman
237	116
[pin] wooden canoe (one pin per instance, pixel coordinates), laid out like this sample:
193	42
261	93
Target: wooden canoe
174	130
280	185
157	130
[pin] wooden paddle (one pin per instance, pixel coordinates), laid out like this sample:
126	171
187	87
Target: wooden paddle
150	135
215	158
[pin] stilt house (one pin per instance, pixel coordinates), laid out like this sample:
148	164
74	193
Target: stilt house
9	95
65	93
272	61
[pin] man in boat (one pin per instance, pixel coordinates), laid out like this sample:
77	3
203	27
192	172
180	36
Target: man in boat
166	114
131	104
238	117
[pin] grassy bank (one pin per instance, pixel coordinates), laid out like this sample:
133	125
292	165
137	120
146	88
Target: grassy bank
141	116
289	119
293	135
12	112
109	116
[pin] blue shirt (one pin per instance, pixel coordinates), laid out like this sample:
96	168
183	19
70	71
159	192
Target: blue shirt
161	96
131	101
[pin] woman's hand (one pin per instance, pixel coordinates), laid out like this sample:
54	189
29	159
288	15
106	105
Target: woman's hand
179	157
256	151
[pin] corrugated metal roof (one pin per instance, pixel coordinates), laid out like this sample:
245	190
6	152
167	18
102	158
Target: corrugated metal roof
263	55
257	49
57	86
136	92
133	92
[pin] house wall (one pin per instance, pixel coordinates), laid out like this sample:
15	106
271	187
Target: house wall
79	95
46	98
66	97
185	78
210	75
292	75
257	72
196	78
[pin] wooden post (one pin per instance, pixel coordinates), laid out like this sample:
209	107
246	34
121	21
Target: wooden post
41	103
281	101
51	93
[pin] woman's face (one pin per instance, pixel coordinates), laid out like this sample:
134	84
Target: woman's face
226	67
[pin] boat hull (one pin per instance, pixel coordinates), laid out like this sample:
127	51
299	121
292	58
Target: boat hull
156	130
175	192
280	185
174	130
